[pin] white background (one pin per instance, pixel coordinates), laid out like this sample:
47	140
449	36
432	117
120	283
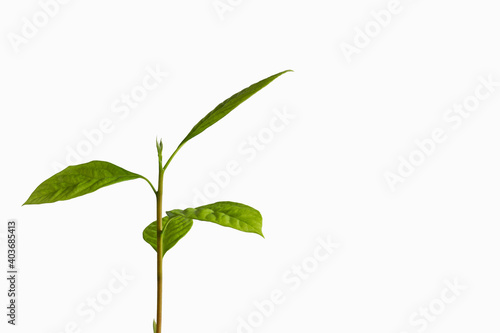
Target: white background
322	176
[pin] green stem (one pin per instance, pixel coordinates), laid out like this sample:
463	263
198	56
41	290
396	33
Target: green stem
172	156
154	190
159	247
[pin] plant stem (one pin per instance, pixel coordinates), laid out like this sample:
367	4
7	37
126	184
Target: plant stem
159	249
172	156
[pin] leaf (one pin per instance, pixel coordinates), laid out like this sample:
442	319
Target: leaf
176	228
228	214
227	106
78	180
154	326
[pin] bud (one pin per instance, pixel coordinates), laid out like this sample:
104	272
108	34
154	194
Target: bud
159	146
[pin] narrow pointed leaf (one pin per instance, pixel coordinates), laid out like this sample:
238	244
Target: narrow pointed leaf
228	214
227	106
176	228
78	180
154	326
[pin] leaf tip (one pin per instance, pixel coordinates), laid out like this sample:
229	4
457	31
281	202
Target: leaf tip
285	71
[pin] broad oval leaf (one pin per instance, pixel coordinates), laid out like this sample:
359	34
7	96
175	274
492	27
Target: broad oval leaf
228	105
176	228
78	180
228	214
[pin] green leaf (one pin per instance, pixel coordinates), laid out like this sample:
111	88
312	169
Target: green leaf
227	106
154	326
228	214
176	228
78	180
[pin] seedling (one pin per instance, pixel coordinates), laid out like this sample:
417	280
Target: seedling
166	231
